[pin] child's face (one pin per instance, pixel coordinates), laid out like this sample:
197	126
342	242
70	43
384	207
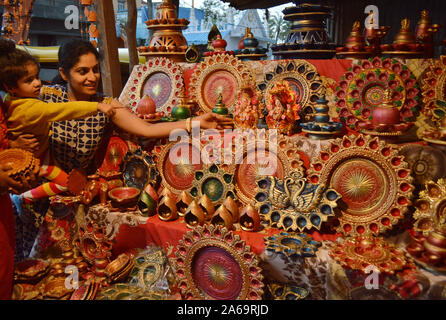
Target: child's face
29	85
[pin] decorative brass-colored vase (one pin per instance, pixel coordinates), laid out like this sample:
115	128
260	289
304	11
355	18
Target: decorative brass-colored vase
425	31
167	209
194	215
222	217
355	46
183	203
249	218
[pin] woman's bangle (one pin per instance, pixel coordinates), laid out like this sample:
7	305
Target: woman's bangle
189	125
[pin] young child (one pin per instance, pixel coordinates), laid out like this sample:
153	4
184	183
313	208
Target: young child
19	76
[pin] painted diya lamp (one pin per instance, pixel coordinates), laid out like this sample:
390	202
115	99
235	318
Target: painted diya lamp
232	207
167	208
223	218
166	192
207	206
183	203
147	205
249	219
194	215
124	197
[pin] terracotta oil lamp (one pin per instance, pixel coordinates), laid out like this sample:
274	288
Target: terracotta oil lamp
207	206
222	217
355	41
386	113
166	192
405	40
194	215
183	203
249	219
232	207
124	197
167	208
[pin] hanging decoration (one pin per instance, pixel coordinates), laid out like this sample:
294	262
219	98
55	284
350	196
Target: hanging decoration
91	30
16	20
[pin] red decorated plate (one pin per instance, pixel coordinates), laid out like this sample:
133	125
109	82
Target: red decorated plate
222	73
372	178
214	263
279	159
362	88
177	163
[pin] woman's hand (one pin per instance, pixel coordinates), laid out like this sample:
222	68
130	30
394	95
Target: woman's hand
108	109
213	121
26	142
6	182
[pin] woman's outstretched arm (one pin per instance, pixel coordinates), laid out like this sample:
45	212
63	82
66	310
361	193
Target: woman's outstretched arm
130	123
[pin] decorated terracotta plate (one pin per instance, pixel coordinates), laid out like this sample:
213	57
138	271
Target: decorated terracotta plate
160	78
373	180
281	157
217	74
303	78
213	263
363	88
177	163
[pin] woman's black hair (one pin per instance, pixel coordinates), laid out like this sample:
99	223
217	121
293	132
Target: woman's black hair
13	63
70	53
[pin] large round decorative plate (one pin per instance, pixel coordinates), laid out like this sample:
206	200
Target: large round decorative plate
426	163
434	85
138	169
116	150
373	180
279	152
161	79
303	79
430	207
213	263
178	175
217	74
362	88
367	254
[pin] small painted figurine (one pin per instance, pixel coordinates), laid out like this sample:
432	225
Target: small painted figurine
282	108
248	107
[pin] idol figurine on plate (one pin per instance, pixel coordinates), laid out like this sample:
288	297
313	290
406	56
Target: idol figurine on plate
248	107
282	109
